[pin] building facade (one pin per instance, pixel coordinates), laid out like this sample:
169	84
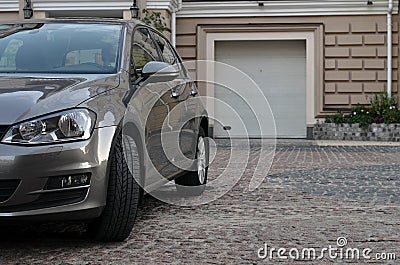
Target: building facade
343	45
309	58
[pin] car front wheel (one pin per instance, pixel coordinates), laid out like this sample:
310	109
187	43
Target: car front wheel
123	196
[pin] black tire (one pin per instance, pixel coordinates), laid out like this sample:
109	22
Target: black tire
190	184
123	197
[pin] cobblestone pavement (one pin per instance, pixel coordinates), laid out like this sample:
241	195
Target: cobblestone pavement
312	195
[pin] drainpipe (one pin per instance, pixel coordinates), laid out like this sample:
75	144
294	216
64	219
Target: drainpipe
173	22
173	28
389	48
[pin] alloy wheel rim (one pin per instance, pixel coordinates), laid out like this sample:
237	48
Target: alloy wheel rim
201	160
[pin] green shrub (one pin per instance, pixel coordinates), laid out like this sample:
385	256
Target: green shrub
382	109
360	114
385	108
337	118
154	19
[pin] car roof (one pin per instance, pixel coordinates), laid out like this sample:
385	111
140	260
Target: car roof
76	20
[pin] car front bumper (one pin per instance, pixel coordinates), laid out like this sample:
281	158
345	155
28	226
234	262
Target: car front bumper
25	171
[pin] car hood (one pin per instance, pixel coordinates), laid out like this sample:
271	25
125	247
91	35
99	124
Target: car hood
23	98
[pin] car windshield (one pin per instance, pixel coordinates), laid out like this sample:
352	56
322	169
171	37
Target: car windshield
59	48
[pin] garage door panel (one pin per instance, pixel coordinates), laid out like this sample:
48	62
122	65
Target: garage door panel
233	111
279	69
270	49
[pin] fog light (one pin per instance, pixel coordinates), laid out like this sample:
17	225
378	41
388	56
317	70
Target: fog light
68	181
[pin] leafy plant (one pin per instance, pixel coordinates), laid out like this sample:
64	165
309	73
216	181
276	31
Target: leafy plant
385	108
382	109
337	118
154	19
360	114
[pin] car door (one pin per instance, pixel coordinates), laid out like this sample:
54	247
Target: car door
154	109
184	127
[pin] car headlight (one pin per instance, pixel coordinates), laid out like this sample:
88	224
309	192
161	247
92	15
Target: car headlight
70	125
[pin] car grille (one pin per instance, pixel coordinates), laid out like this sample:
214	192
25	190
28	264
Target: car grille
3	130
7	188
50	199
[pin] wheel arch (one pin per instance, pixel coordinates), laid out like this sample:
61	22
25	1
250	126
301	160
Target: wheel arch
132	130
204	123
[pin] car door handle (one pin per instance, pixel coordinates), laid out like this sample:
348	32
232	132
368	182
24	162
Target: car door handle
193	89
175	94
177	90
193	92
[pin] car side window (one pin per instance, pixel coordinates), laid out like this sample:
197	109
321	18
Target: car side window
169	55
144	49
141	56
166	50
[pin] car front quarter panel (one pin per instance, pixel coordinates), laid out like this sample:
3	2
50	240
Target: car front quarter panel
108	107
33	166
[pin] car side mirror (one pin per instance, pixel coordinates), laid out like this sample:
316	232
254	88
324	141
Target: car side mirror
154	72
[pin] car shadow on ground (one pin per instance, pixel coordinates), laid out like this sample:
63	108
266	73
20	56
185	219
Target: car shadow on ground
44	235
57	234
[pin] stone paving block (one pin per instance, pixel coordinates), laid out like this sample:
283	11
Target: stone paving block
395	38
382	51
349	87
330	64
382	27
311	196
363	75
334	52
359	99
344	40
363	52
382	75
363	26
374	63
350	64
336	99
330	40
337	75
374	39
337	27
330	87
374	87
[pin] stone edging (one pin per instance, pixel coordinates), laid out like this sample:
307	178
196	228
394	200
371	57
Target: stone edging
355	132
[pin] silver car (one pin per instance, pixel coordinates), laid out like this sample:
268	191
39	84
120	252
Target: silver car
92	114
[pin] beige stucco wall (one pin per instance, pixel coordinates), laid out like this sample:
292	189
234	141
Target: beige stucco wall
126	14
9	16
354	52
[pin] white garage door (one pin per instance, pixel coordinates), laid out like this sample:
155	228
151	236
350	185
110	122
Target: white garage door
279	69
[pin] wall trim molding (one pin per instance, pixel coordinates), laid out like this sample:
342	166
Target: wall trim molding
91	5
169	5
284	8
53	5
9	6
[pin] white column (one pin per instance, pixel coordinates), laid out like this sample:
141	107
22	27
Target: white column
389	49
173	28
